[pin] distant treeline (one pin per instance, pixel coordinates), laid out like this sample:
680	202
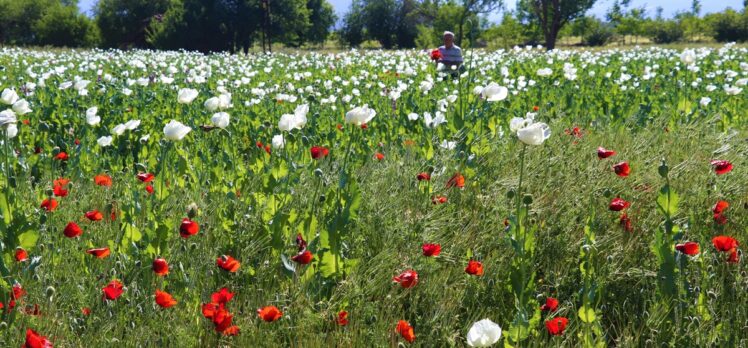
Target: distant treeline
238	25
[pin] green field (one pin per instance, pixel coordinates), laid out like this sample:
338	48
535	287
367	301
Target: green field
358	159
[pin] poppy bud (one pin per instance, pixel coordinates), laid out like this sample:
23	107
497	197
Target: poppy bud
663	169
510	194
49	192
55	150
50	291
321	198
607	193
527	199
318	172
192	210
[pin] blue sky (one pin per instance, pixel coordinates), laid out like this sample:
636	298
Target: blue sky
669	6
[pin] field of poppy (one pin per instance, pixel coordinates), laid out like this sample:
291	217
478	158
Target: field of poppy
373	199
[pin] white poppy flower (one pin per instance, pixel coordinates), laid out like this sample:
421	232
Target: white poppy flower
175	130
493	92
360	115
483	333
186	95
278	142
534	134
104	141
9	96
220	120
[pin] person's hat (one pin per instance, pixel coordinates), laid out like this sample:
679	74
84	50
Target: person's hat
449	33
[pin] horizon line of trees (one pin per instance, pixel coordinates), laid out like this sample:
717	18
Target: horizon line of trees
239	25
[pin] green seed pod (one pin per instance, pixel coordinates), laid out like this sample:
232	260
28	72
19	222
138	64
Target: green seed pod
527	199
663	169
510	194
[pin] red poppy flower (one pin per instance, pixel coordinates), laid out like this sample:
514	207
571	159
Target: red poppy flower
456	180
379	156
342	319
188	228
149	189
268	150
720	219
86	311
113	290
72	230
94	215
535	108
431	249
160	267
61	182
724	243
49	204
99	253
339	127
556	326
436	54
423	176
231	331
439	200
474	268
364	126
269	313
210	309
406	331
222	319
145	177
603	153
35	340
319	152
103	180
62	156
222	296
407	279
721	166
59	191
734	257
618	204
17	293
21	255
304	257
300	242
164	299
228	263
551	304
625	222
688	248
575	132
720	206
622	169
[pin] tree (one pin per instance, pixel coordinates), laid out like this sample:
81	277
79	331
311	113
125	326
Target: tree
472	9
63	26
322	17
552	15
352	32
45	22
124	23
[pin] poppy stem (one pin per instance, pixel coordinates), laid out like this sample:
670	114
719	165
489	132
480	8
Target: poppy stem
6	155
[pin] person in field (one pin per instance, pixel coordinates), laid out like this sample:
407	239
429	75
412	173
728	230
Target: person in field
451	54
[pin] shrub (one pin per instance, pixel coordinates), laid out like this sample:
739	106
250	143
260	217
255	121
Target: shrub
600	36
666	32
729	26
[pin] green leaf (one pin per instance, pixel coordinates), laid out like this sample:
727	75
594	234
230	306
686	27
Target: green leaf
587	314
27	240
667	201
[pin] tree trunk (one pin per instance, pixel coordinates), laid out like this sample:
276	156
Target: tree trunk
550	39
